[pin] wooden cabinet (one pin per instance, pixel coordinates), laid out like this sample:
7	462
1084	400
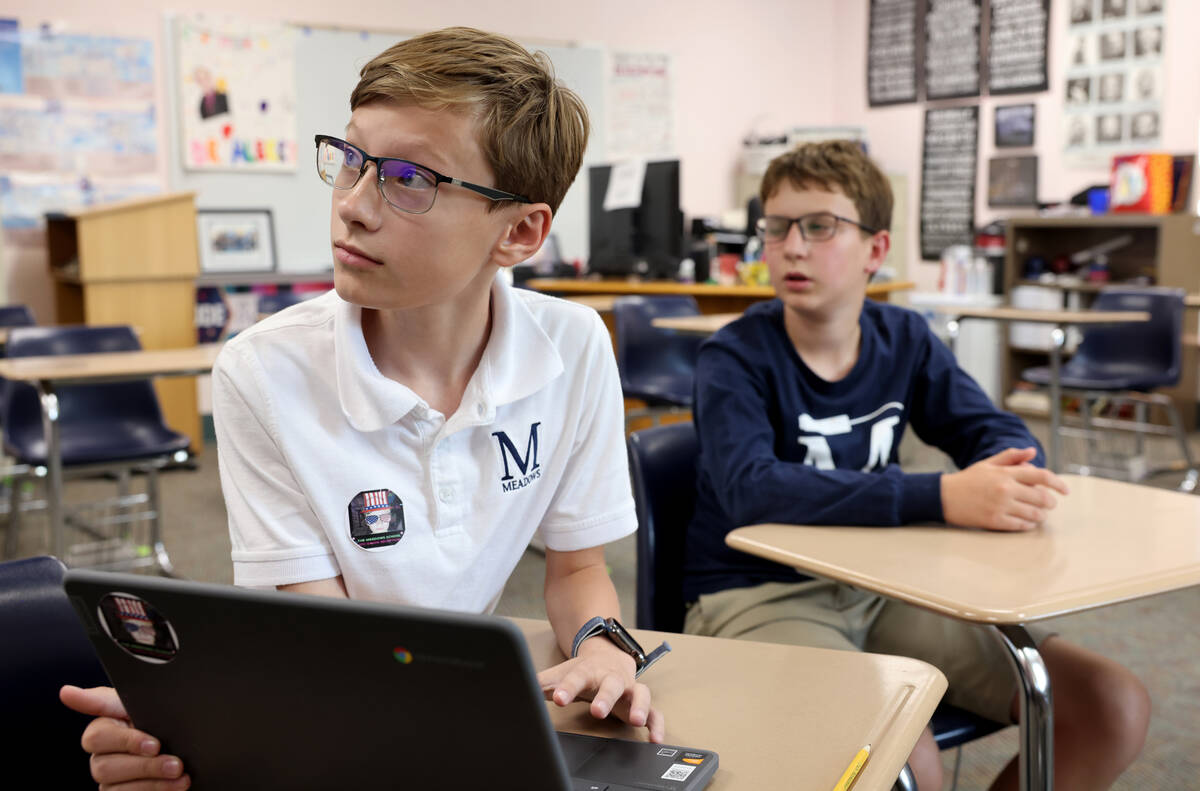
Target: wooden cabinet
134	262
1164	249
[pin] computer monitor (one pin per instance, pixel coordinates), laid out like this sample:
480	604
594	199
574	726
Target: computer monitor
646	240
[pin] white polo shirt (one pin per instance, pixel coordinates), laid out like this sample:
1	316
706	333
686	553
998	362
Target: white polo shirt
329	468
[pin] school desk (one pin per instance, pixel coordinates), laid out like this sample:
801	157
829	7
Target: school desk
711	298
1106	542
778	716
48	373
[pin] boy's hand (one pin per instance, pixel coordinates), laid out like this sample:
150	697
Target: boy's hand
603	674
1003	492
122	757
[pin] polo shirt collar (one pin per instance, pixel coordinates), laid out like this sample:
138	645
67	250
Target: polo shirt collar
519	359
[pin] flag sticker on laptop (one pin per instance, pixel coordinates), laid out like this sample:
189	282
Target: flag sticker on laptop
678	772
376	519
138	628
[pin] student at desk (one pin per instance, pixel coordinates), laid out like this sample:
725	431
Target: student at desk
800	406
404	438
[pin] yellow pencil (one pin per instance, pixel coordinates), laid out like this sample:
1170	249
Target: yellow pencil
853	770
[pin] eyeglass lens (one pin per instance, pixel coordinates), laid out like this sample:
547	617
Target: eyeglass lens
813	227
405	185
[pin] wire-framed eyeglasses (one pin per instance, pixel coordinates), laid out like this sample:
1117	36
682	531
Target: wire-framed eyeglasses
816	227
405	185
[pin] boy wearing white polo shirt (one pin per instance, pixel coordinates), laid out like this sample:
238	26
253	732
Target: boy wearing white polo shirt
404	438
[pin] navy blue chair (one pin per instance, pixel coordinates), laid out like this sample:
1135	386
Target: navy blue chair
44	647
105	429
656	365
662	465
1125	364
16	316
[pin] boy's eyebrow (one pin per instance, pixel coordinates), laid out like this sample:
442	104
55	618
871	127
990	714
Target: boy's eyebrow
422	154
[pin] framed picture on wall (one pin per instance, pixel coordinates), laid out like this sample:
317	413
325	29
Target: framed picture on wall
1012	181
1014	125
235	240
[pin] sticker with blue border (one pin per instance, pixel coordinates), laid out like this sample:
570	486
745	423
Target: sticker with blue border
376	519
138	628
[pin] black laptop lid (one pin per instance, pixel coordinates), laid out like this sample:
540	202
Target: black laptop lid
261	690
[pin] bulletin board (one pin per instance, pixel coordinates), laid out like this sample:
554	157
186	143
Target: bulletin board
327	66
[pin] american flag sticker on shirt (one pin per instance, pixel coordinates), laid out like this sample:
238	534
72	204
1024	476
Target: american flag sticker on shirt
376	519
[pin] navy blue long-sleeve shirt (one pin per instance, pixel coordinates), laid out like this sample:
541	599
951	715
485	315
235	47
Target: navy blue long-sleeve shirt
780	444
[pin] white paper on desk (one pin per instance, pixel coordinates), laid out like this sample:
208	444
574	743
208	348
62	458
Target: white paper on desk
625	185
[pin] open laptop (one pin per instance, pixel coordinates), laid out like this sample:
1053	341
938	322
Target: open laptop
260	689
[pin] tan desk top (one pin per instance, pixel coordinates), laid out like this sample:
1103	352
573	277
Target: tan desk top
1048	316
585	286
601	303
778	716
705	324
1108	541
68	368
1192	301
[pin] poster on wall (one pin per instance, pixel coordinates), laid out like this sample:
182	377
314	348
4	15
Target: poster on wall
1017	46
78	125
237	94
948	179
892	52
1012	181
1114	79
951	48
640	107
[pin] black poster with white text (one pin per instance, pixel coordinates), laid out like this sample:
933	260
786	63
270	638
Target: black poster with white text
1017	46
948	179
951	48
892	52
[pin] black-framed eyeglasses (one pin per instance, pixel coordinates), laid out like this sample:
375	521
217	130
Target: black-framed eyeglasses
405	185
816	227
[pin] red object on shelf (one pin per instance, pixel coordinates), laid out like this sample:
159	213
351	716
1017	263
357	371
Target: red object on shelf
1141	183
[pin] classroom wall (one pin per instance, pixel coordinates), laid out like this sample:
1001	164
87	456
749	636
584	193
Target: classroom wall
895	133
732	60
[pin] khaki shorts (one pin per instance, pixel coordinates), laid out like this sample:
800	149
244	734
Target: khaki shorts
825	614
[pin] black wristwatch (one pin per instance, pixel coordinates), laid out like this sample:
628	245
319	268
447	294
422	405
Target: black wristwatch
622	639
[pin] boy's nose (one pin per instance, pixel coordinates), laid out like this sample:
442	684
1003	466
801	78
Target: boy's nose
795	243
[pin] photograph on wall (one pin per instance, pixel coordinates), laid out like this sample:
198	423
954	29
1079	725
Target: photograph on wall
1012	181
892	52
1113	80
237	94
235	240
952	48
1017	46
1014	125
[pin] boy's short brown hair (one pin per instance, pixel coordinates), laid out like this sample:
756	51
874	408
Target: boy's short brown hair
834	165
532	129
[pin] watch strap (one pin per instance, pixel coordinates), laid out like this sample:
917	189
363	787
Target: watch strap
597	626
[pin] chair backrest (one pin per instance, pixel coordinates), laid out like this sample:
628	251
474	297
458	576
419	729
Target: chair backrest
122	401
43	648
1151	351
645	352
662	463
16	316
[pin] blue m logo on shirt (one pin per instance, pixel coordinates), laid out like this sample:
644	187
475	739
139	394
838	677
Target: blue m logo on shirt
526	463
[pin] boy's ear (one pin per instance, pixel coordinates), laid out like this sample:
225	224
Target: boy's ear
881	243
523	235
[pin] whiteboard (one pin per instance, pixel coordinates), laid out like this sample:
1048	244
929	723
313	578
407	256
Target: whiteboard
327	66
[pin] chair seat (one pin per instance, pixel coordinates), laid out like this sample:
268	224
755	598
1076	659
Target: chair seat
953	726
1125	377
662	390
91	442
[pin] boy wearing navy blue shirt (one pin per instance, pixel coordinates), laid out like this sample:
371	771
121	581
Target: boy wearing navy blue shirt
800	406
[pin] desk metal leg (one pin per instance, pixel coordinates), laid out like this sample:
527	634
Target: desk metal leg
54	472
1036	761
1058	337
